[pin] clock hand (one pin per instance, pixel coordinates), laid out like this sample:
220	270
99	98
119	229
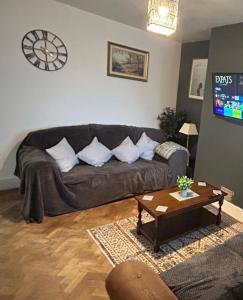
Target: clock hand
49	53
45	51
42	49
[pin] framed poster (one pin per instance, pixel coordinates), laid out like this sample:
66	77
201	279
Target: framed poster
198	78
127	62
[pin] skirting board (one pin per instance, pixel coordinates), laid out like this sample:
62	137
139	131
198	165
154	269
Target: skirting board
234	211
9	183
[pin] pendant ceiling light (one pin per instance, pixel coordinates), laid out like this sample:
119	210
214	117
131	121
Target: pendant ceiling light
162	16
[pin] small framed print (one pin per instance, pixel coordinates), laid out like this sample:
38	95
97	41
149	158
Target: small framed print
198	78
127	62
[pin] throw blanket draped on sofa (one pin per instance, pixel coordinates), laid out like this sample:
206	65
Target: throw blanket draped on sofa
214	274
47	191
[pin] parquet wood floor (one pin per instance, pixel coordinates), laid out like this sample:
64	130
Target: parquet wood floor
56	259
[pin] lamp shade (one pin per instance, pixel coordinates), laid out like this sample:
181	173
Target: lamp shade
189	129
162	16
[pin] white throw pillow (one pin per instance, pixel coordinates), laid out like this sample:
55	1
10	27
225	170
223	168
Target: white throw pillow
126	151
95	154
146	147
64	155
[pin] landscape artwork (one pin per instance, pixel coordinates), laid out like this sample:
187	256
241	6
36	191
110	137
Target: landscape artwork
127	62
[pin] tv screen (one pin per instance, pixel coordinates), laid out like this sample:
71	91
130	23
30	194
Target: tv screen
228	95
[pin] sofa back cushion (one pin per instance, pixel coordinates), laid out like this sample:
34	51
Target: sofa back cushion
80	136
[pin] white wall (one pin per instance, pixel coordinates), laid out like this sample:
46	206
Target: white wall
80	92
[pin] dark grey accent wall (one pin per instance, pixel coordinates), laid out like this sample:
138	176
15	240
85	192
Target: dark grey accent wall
220	146
193	107
189	51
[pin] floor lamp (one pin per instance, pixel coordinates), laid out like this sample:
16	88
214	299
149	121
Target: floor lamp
188	129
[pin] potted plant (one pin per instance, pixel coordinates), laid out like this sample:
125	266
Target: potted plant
170	121
184	183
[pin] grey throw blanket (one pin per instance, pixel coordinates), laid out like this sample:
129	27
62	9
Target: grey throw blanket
47	191
216	274
166	149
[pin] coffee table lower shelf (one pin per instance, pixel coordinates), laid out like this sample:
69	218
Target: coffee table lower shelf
174	226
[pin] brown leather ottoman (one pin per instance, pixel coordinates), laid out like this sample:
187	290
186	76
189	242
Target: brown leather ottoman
133	280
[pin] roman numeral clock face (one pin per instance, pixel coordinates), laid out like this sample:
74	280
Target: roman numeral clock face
44	50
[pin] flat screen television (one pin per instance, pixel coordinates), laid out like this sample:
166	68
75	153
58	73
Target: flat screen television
228	95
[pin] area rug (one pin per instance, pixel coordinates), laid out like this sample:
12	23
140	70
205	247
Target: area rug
120	242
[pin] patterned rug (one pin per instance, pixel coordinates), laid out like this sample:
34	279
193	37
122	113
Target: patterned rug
120	242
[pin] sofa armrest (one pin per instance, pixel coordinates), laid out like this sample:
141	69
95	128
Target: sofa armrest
178	162
134	280
31	157
40	179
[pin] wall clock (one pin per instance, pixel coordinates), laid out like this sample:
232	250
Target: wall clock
44	50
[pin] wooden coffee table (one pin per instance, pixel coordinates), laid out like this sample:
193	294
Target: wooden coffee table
180	217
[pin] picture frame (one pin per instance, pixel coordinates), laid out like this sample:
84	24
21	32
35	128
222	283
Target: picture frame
198	78
127	62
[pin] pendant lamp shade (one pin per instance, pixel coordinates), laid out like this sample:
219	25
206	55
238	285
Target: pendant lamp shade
162	16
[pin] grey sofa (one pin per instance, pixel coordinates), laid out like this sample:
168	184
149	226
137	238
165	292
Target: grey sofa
47	191
216	274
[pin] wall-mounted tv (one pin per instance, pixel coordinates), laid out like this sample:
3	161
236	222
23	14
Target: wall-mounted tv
228	95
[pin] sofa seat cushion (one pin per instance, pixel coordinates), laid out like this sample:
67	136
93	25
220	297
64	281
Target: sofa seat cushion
119	177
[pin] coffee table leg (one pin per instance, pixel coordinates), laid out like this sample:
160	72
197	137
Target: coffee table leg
139	223
156	240
219	212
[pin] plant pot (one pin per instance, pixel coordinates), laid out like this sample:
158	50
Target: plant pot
184	193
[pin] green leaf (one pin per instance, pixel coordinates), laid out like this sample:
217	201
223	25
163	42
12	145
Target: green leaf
170	122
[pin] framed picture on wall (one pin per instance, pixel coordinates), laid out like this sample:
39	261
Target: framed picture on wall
127	62
198	78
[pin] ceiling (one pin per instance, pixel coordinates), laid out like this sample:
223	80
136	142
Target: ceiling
196	17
